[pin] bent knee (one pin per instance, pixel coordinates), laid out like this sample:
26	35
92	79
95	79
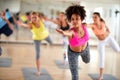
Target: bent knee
86	61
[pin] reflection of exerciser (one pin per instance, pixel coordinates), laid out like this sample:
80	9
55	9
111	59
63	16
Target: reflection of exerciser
4	29
9	16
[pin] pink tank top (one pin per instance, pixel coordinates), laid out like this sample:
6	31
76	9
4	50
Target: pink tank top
76	41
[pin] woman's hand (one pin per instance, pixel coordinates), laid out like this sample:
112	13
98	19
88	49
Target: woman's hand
65	33
60	31
4	17
20	23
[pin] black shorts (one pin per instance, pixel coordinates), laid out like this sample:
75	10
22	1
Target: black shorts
6	30
11	20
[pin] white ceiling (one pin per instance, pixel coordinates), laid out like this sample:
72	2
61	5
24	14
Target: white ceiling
71	1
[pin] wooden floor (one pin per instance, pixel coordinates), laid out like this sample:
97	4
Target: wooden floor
23	55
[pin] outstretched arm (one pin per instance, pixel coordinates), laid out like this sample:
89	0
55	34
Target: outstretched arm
88	25
8	22
54	21
65	33
24	25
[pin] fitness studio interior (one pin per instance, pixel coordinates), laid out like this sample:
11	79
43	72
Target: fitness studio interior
59	39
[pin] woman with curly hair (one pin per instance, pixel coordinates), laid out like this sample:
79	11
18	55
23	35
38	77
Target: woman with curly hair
78	38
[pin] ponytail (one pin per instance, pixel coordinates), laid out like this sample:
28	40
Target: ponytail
102	20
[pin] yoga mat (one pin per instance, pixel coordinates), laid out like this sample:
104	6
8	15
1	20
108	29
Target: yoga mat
5	62
29	74
105	77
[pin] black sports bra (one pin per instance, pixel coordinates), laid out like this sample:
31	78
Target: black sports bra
65	28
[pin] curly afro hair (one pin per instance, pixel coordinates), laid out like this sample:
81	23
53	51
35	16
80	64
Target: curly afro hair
75	9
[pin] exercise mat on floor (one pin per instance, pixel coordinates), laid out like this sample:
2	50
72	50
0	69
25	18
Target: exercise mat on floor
105	77
29	74
5	62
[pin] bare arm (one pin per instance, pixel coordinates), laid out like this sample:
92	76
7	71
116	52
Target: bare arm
54	21
8	22
65	33
14	19
24	25
88	25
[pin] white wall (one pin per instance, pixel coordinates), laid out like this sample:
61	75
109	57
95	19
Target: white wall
25	6
13	5
44	7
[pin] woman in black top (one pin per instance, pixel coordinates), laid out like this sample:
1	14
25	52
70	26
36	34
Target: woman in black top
64	25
